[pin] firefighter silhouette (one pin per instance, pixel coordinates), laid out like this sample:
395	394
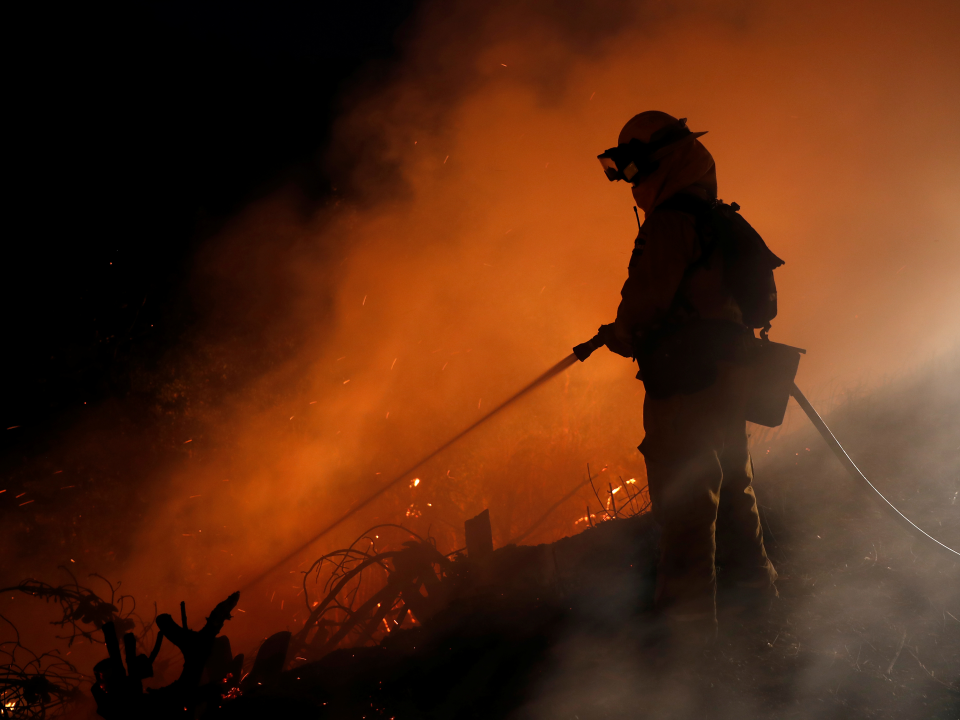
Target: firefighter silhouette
679	318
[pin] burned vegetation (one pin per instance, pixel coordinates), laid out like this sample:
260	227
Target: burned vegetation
32	685
866	624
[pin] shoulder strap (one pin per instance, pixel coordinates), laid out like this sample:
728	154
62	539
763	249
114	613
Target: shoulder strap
683	202
702	211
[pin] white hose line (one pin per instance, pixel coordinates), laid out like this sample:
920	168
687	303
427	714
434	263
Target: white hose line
854	471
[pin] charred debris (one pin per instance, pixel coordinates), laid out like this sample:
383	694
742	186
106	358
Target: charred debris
400	630
867	625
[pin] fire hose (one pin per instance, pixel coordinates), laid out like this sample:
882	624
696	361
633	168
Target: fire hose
582	352
856	474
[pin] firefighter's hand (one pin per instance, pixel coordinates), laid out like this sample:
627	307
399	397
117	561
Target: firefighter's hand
614	340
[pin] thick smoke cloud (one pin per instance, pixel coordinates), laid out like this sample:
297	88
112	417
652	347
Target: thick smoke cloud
476	241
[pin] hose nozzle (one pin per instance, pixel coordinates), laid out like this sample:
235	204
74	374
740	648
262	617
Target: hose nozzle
585	350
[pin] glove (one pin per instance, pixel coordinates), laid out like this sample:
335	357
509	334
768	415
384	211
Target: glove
614	340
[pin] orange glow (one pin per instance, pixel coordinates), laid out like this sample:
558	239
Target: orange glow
472	258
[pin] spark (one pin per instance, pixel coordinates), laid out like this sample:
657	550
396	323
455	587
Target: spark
21	495
188	441
26	503
313	402
364	300
478	403
292	417
67	487
388	415
631	481
193	496
345	382
416	481
341	358
393	363
592	94
445	159
504	64
444	366
14	427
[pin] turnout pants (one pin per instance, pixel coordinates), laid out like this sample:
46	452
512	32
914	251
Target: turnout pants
700	478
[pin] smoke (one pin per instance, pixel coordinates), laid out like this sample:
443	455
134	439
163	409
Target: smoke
474	241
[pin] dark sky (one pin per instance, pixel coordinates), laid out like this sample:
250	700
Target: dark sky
135	134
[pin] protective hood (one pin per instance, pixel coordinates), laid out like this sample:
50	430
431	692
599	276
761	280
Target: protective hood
691	165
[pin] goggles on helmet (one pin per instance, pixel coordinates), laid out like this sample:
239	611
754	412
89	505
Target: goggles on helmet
635	160
630	161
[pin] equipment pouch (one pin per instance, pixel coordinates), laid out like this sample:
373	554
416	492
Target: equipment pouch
773	367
